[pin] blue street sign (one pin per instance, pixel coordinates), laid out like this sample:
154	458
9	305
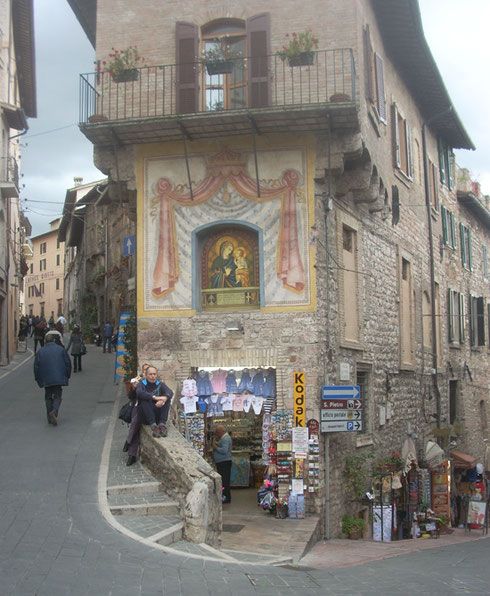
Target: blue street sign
340	391
129	246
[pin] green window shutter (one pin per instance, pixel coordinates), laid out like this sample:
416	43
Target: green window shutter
444	224
480	320
453	229
442	168
449	169
470	249
450	315
462	243
461	319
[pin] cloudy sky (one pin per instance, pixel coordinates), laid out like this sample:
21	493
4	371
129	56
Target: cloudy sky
54	150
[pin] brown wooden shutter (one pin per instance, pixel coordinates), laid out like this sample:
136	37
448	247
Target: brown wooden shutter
368	63
186	36
258	44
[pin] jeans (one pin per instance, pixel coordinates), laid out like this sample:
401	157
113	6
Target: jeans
36	341
52	397
108	343
77	362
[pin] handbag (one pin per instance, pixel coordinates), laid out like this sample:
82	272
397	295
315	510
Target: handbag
83	350
126	411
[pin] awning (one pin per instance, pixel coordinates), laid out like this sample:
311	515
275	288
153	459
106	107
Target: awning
461	460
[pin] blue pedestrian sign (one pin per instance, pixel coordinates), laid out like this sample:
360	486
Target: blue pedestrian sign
129	246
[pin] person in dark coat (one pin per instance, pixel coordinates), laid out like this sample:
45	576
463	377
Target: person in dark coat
76	344
52	369
108	332
39	332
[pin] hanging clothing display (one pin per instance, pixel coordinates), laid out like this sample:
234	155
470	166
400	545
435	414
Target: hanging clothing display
189	403
231	385
204	387
258	383
218	381
227	402
257	402
202	405
189	388
238	403
247	402
245	382
214	405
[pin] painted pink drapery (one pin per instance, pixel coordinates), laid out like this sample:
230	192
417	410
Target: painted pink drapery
289	263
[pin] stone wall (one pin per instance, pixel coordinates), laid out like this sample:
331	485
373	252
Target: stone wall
189	479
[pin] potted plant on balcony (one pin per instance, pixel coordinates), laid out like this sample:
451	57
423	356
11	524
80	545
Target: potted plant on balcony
220	56
299	49
123	66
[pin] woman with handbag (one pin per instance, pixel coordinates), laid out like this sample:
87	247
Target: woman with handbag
77	348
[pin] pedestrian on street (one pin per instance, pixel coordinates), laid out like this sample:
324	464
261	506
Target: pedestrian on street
52	369
151	407
38	333
108	332
62	321
222	458
77	348
58	338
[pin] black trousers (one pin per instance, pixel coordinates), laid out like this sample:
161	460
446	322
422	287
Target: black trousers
77	362
224	470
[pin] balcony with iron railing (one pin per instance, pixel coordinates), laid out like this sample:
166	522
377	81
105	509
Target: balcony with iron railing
255	95
9	177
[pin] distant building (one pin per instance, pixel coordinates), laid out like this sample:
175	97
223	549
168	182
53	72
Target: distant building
44	280
17	103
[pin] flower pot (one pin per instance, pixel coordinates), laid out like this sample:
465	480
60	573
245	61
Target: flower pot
220	67
131	74
355	534
303	59
339	97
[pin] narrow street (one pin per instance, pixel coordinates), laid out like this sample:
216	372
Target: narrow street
55	541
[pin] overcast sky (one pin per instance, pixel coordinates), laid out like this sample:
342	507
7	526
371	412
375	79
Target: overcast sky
55	151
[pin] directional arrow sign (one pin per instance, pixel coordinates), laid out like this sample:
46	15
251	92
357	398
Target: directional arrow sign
340	391
341	404
128	246
327	415
336	426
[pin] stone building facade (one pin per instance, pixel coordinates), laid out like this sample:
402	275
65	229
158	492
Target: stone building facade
328	179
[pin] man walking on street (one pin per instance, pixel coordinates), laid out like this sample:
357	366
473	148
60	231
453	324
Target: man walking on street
108	331
52	369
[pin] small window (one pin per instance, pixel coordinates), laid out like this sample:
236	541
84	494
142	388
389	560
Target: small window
448	227
58	260
57	283
42	265
477	321
445	164
466	247
41	304
31	268
433	186
375	87
403	144
456	315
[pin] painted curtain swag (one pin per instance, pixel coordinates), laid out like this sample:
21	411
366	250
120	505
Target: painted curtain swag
229	167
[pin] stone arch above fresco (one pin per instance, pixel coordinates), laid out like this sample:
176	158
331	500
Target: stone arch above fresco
224	189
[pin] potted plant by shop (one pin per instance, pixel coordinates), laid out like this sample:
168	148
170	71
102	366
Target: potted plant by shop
123	66
130	358
220	56
299	50
444	524
353	527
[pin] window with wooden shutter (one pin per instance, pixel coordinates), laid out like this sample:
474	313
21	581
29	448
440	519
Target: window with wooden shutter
380	87
187	79
445	235
369	65
258	43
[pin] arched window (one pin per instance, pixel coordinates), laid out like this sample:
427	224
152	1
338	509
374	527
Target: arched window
229	268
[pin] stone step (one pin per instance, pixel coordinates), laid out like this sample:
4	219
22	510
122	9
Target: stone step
145	488
170	535
157	528
165	509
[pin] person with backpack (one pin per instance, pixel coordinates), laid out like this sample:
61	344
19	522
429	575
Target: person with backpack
38	333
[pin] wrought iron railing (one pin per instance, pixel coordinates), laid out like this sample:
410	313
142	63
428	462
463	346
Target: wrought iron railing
10	171
259	82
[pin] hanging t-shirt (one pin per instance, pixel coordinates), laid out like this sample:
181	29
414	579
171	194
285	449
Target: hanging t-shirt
269	404
214	405
189	388
189	403
257	402
202	405
247	402
238	403
227	402
219	381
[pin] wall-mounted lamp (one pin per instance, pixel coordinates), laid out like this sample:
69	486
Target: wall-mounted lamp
234	326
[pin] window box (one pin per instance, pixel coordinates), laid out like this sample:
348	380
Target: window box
303	59
126	76
220	67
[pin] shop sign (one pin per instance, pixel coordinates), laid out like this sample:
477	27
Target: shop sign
300	441
476	512
340	392
341	404
313	426
299	399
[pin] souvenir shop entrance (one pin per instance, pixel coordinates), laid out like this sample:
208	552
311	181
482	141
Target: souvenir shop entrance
240	399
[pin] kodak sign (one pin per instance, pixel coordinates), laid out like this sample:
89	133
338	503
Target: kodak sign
299	399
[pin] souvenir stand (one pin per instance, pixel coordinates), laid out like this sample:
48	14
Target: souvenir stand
266	454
